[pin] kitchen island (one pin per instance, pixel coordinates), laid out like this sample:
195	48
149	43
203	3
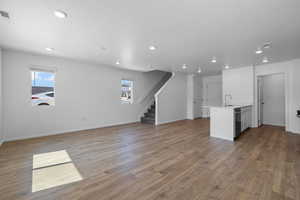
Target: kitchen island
228	122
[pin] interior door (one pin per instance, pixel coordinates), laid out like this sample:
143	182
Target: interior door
274	100
198	100
260	100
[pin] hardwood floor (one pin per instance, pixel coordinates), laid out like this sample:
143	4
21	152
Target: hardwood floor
177	161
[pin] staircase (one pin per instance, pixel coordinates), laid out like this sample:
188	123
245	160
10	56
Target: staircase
149	116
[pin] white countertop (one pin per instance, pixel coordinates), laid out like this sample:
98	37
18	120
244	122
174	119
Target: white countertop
231	107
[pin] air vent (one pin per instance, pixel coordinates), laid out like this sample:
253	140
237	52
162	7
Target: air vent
4	14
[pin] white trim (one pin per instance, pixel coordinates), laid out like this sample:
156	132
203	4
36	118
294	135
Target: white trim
281	125
287	96
171	121
223	138
69	131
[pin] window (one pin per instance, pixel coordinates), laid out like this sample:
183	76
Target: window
42	88
126	91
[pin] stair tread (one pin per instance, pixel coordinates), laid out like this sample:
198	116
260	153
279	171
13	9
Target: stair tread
148	118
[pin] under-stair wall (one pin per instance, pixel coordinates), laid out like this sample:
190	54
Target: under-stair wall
171	101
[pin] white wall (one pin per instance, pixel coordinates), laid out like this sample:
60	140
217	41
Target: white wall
294	99
274	100
198	96
211	93
87	96
190	96
291	71
194	96
212	90
171	101
239	84
1	112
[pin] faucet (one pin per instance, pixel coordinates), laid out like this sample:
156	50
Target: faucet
227	95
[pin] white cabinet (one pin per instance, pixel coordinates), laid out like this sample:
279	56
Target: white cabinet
246	117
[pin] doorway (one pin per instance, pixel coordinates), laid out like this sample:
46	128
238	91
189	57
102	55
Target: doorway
271	100
212	94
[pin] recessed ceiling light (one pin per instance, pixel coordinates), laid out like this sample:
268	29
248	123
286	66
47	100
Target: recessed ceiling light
118	62
214	60
60	14
265	60
227	67
267	45
199	70
184	66
49	49
152	47
258	51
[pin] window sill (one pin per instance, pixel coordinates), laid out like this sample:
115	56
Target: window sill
126	102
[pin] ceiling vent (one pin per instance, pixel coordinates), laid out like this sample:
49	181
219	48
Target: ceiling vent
4	14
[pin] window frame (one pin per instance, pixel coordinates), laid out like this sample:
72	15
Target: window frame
42	69
131	100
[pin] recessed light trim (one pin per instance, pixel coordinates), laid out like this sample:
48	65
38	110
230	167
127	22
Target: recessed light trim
214	60
49	49
227	66
259	51
184	66
199	70
265	60
118	62
267	45
60	14
152	48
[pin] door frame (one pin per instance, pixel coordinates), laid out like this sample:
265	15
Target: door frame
259	105
286	94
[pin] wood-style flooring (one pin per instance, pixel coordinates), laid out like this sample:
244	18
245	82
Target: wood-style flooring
176	161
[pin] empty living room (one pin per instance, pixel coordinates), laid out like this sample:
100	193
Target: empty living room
149	100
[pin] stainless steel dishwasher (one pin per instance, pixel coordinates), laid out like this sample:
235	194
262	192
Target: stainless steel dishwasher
238	122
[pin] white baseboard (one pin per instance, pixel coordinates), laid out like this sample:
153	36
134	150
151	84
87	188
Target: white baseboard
170	121
294	131
223	138
66	131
